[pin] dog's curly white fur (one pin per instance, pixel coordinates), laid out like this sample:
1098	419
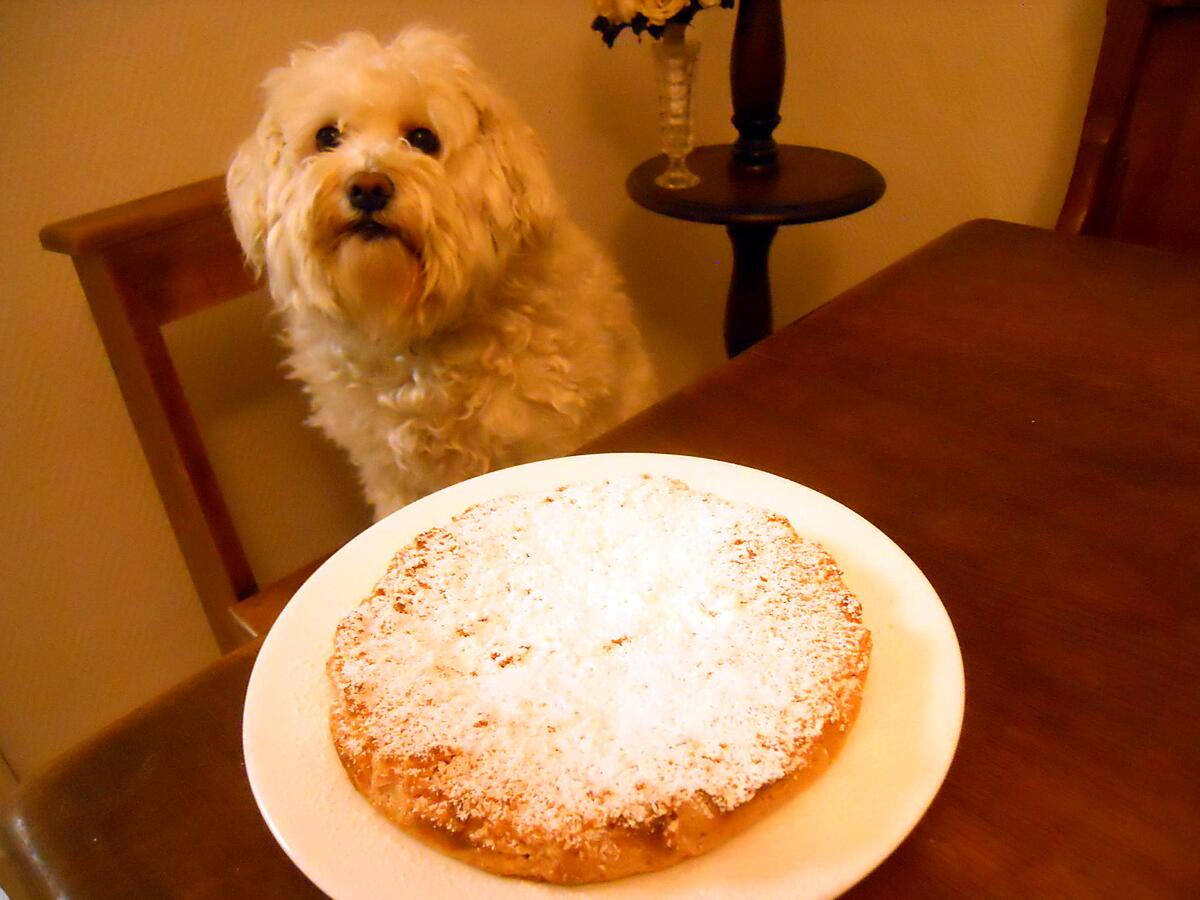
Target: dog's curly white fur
443	313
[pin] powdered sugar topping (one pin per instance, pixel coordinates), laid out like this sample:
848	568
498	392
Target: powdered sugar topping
597	655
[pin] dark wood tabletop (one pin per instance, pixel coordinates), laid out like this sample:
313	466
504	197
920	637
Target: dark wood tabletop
810	184
1020	411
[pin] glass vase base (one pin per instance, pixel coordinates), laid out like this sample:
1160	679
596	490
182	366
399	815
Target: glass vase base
677	176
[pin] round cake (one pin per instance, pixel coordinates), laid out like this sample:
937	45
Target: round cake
597	681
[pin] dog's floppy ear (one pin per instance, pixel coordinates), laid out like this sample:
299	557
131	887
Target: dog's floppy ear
516	152
246	188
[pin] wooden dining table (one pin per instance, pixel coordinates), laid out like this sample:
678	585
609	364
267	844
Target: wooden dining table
1019	410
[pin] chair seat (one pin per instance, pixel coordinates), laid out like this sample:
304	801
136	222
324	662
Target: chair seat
157	801
255	615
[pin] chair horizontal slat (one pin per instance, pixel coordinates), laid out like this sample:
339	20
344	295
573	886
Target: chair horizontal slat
183	268
127	221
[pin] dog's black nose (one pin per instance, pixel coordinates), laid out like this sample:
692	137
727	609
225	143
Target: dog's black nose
369	192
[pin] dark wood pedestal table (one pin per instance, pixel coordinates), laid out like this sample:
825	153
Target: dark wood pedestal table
808	184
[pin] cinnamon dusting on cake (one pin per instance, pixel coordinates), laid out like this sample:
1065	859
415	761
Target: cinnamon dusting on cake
490	687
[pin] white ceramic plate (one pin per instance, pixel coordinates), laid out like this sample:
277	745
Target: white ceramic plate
818	845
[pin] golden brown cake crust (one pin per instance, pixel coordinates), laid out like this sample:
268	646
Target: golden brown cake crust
597	682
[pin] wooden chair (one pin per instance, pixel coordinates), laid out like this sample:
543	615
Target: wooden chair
143	265
1137	173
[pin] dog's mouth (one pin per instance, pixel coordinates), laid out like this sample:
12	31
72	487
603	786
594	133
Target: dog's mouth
371	229
368	229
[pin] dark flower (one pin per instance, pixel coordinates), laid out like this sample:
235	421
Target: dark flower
640	25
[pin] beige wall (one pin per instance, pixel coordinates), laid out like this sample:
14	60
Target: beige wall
969	107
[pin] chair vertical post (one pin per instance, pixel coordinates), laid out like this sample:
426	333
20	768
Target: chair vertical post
171	443
1088	207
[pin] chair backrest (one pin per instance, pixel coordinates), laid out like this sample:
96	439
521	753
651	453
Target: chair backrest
143	265
1137	173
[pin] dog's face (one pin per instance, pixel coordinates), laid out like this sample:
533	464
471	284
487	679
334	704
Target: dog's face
388	186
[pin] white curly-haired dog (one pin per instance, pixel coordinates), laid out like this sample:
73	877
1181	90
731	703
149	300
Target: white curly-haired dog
443	313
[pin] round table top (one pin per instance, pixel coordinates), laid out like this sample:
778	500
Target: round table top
810	184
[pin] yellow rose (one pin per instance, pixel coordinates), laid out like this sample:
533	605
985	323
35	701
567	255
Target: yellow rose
658	11
619	12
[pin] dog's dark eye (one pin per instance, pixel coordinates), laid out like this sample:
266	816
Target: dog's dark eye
424	140
328	137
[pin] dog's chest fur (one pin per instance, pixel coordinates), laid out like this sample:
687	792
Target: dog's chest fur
520	382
